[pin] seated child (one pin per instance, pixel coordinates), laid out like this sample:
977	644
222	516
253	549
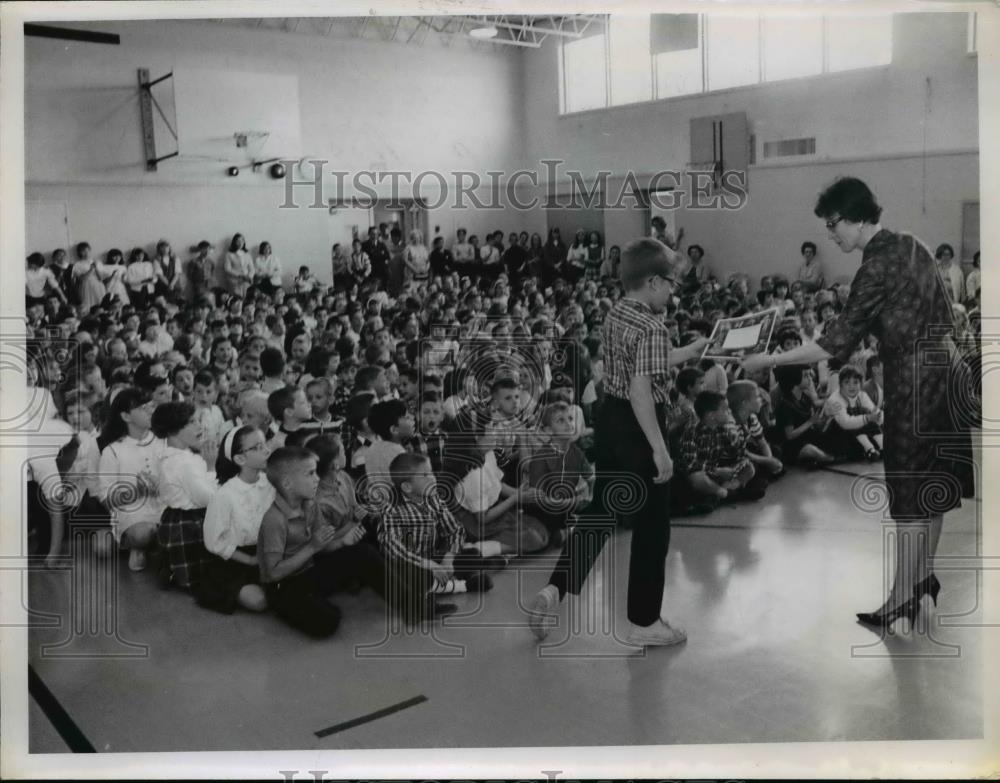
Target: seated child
352	557
393	425
84	472
209	415
873	384
289	539
855	428
713	458
423	544
487	507
745	398
304	281
319	392
689	384
560	473
505	424
799	414
185	488
231	575
290	409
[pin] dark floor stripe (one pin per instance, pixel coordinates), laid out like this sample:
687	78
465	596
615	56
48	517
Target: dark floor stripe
59	718
843	472
371	716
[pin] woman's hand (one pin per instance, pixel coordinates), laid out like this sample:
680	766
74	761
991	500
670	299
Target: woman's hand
756	362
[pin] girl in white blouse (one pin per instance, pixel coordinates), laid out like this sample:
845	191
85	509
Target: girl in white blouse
129	465
186	487
266	269
232	522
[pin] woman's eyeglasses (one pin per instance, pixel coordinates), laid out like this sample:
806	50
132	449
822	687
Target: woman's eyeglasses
832	224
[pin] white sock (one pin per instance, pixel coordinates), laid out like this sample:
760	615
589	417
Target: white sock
451	586
487	548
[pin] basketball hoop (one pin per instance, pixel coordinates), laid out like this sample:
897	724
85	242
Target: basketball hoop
711	167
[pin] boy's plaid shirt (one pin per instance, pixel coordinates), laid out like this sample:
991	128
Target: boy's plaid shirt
636	342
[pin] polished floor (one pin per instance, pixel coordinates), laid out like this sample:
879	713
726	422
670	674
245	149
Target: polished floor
767	593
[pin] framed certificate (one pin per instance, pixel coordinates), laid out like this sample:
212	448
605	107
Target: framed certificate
733	338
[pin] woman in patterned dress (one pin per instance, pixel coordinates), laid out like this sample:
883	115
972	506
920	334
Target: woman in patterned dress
898	295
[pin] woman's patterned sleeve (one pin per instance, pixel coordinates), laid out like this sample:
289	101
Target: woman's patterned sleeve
868	294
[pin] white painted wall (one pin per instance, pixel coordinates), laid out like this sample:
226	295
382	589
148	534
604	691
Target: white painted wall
363	106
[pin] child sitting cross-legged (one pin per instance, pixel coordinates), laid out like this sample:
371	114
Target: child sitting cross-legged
489	509
559	472
689	383
290	537
231	575
186	487
393	425
745	399
855	429
800	421
291	411
352	557
713	458
423	544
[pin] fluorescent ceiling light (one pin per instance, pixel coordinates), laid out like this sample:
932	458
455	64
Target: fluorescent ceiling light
483	32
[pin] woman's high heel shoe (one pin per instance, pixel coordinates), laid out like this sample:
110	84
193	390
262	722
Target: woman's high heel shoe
929	586
909	610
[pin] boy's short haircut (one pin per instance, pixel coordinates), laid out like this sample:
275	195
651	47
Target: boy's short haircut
642	259
272	362
430	396
284	461
871	363
708	402
366	376
249	355
739	393
326	448
358	408
503	382
687	378
404	466
412	374
551	410
324	382
788	334
789	376
280	400
204	378
847	372
383	416
348	363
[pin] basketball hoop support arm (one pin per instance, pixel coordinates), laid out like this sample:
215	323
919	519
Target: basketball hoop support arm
147	102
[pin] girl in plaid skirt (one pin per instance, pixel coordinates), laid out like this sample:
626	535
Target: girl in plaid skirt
186	487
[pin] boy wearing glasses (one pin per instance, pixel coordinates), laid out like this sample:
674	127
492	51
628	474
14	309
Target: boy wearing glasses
631	445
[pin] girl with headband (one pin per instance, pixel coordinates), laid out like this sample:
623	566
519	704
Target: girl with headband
232	522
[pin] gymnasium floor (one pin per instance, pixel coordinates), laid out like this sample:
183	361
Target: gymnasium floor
767	593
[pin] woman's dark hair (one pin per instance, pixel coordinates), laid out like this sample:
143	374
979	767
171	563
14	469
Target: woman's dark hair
975	259
849	198
942	248
36	259
136	254
114	253
808	246
225	468
687	378
81	246
128	399
234	245
699	248
170	418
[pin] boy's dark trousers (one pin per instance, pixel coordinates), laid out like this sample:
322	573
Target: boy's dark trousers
300	600
350	566
624	492
408	586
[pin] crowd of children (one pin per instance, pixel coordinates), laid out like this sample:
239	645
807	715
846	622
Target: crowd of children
264	447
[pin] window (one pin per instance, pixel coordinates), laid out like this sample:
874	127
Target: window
733	51
792	47
679	72
584	74
858	42
640	58
628	53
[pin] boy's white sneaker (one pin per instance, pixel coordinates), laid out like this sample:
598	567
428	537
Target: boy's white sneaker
136	560
542	612
659	634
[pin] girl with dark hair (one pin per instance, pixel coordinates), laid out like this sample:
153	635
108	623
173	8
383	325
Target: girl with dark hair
140	277
129	467
898	295
810	274
595	255
168	271
231	575
238	267
113	273
185	488
89	288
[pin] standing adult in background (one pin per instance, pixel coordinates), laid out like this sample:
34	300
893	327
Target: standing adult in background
266	269
489	257
515	258
397	266
441	258
553	257
696	271
464	253
898	296
378	255
340	264
631	442
62	270
200	273
168	271
810	274
238	267
416	259
974	281
87	279
576	258
140	277
951	272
